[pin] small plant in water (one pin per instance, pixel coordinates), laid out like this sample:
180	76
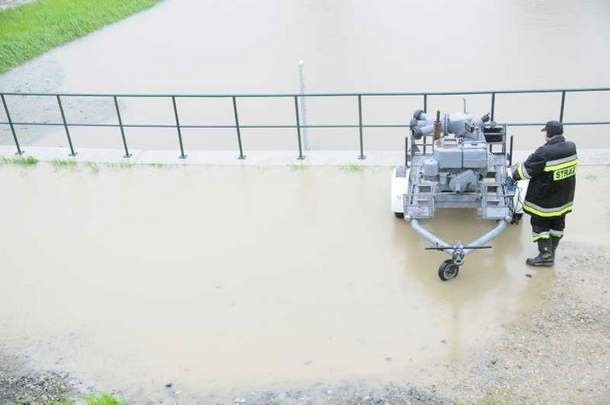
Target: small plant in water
63	163
119	165
93	166
591	177
104	399
295	166
352	168
25	161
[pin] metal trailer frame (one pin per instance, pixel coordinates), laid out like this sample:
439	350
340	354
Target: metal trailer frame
450	268
416	207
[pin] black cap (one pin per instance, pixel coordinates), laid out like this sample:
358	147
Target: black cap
553	128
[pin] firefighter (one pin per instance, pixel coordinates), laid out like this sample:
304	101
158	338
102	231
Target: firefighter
551	171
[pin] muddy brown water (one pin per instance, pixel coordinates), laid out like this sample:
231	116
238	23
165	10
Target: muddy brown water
213	278
213	46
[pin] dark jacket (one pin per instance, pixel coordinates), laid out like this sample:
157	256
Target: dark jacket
552	173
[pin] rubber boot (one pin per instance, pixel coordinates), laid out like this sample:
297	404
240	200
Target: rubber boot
555	242
546	256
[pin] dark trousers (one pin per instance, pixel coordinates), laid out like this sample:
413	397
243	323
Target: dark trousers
544	228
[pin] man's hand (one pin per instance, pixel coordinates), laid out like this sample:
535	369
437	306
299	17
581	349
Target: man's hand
512	171
511	184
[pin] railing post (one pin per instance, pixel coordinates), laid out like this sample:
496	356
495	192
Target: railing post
63	119
510	155
118	114
241	150
10	123
407	151
563	102
296	110
361	157
493	105
425	103
182	155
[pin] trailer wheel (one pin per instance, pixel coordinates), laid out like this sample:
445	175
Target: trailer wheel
448	270
399	215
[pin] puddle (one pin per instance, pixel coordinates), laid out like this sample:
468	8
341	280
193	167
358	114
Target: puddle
221	277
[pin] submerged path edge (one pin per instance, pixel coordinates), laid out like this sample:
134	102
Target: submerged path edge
587	157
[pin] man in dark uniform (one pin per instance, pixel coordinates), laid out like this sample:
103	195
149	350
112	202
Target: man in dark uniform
551	171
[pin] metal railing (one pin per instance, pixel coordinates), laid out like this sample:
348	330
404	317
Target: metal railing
298	126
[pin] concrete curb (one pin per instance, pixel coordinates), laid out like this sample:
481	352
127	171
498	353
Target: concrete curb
587	157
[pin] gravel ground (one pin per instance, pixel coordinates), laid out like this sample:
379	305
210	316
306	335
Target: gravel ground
556	355
23	386
561	354
343	394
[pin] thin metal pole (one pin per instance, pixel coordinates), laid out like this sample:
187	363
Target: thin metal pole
296	110
510	155
241	150
10	123
407	151
563	102
118	114
182	155
303	104
425	103
361	157
63	118
493	105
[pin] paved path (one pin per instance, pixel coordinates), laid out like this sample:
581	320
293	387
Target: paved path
587	157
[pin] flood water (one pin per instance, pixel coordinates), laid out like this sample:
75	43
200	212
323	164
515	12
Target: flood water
213	278
214	46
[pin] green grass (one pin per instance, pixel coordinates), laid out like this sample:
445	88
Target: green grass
117	165
295	166
71	163
100	399
24	161
93	166
352	168
591	177
32	29
104	399
63	163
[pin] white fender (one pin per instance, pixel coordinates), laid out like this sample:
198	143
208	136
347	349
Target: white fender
400	181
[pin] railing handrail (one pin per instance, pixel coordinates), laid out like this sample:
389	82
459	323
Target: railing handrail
350	94
298	125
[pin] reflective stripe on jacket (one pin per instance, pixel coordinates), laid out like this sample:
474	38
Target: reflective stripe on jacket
552	173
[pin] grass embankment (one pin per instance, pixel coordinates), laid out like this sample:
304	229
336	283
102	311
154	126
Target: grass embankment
32	29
